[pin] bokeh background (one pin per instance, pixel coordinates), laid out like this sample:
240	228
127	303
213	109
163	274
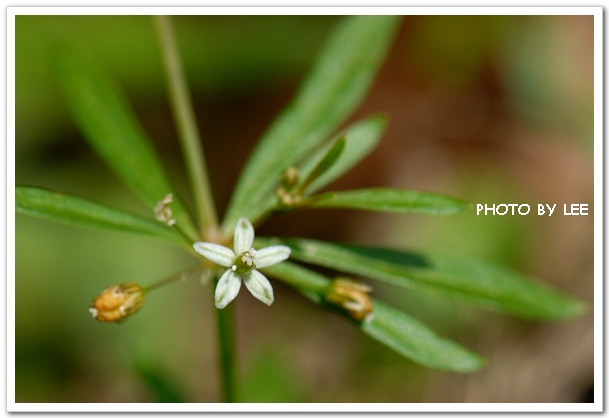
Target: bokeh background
492	109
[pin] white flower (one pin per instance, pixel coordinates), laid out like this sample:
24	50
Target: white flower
242	265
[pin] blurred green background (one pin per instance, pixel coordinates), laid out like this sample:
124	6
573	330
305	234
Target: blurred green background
492	109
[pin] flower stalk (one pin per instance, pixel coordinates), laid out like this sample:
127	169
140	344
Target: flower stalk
183	113
226	345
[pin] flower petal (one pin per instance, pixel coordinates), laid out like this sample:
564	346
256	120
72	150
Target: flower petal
272	255
244	236
227	288
216	253
259	286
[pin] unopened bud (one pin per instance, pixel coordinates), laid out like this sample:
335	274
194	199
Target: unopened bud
118	302
352	296
163	212
290	177
287	200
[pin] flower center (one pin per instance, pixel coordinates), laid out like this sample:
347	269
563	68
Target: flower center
245	262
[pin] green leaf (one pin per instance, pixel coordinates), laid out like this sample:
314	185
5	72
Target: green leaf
465	279
416	341
299	276
111	128
335	86
360	139
75	210
390	200
330	157
389	326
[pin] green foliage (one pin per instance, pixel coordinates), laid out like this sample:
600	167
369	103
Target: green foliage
391	200
298	276
329	159
109	125
391	327
470	280
300	137
414	340
78	211
360	139
336	85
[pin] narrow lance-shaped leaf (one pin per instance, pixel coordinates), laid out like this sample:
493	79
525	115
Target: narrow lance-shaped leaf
336	85
111	128
387	325
360	139
326	163
390	200
473	281
414	340
78	211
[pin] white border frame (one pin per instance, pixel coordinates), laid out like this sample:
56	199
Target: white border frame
597	406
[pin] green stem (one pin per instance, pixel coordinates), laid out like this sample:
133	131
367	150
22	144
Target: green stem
226	341
182	275
188	132
187	239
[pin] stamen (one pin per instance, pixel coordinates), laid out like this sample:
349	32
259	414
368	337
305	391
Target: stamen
249	257
245	262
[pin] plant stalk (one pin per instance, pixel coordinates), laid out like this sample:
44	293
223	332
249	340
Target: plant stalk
226	341
183	113
182	275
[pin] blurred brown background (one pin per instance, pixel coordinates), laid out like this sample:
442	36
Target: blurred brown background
491	109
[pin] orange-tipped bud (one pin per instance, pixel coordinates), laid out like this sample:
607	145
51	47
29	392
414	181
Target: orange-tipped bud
351	296
116	303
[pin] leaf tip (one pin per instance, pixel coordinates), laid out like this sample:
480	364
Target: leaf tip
477	363
575	309
381	118
470	362
455	206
